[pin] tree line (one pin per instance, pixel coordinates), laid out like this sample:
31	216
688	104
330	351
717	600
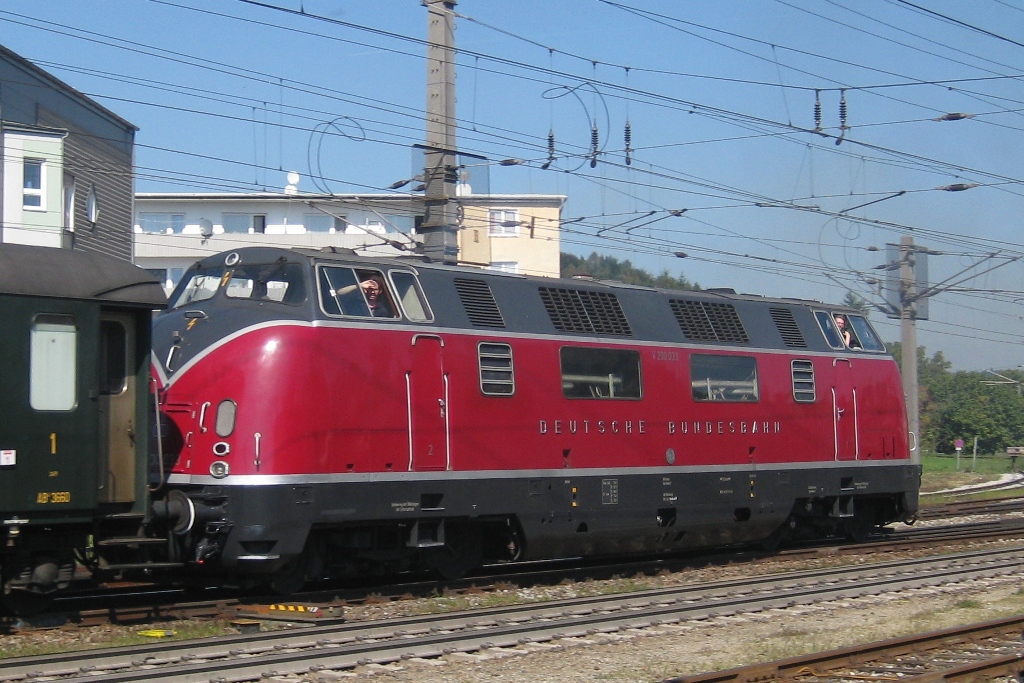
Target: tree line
965	405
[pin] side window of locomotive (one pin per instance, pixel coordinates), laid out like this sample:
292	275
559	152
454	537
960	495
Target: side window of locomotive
828	328
355	291
113	357
730	379
201	285
414	304
496	374
865	334
53	362
277	282
600	373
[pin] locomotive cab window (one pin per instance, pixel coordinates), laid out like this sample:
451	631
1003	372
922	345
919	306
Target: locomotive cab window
361	292
600	373
730	379
414	303
864	333
828	328
278	282
53	363
201	285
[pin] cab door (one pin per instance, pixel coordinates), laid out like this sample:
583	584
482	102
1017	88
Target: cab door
117	401
427	387
844	411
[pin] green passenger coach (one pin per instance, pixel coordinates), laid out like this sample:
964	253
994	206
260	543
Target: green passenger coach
74	345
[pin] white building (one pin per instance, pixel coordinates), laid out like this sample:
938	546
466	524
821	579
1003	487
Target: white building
515	233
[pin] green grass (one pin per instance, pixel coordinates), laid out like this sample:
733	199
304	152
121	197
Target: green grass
940	471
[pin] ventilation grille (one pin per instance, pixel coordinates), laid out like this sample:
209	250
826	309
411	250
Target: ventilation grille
709	322
803	381
786	324
496	375
581	310
479	303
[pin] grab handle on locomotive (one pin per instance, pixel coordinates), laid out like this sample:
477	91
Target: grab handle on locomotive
202	417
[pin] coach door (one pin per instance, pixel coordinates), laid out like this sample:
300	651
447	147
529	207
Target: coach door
117	386
844	410
427	388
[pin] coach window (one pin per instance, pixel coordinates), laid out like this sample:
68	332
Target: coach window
344	291
730	379
53	363
113	357
600	373
828	328
414	304
280	282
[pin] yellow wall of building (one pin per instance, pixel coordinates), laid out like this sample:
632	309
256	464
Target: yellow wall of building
535	246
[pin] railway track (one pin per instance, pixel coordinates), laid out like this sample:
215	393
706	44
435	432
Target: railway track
140	606
541	625
980	652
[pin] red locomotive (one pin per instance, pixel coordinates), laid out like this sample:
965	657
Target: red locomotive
325	413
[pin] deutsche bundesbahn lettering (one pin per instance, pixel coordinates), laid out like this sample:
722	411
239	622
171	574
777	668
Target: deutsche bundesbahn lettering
767	427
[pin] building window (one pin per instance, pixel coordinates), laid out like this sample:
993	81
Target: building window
32	196
259	224
318	222
503	222
92	206
69	202
162	222
53	365
236	222
505	266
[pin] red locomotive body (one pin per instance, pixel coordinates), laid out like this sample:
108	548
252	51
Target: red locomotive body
312	428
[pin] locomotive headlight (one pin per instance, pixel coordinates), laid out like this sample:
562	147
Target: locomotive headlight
219	469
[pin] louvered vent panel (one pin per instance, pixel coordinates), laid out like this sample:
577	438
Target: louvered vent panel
581	310
709	322
479	303
786	324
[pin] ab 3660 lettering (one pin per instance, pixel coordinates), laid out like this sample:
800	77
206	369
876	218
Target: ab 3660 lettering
53	497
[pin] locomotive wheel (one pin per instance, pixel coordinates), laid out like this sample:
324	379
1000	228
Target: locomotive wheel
292	577
857	529
461	553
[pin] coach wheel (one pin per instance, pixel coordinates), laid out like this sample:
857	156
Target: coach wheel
23	603
461	553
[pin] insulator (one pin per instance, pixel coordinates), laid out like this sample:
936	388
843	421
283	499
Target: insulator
628	135
595	140
817	111
551	145
842	111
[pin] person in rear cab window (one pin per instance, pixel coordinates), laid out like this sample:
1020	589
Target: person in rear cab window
376	297
843	331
